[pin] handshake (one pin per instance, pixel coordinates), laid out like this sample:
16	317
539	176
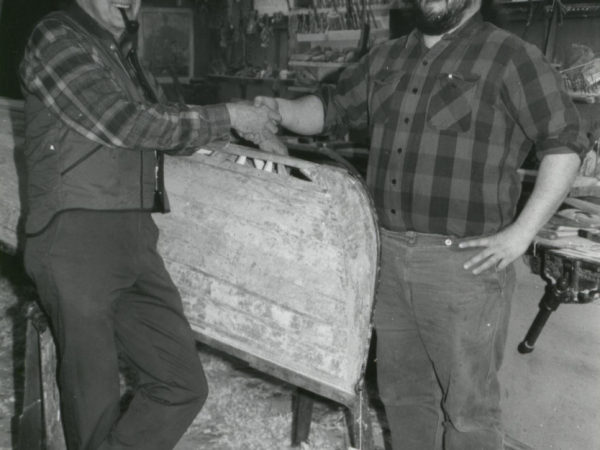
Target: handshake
258	123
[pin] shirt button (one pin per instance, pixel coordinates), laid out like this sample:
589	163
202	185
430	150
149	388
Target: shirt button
415	90
406	120
448	242
393	211
425	63
394	181
399	150
113	47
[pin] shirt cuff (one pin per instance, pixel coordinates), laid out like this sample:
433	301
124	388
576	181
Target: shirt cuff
332	122
556	147
219	122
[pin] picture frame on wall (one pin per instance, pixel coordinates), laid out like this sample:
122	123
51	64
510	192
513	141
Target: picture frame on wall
166	43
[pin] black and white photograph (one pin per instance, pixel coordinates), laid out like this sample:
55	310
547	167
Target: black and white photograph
299	224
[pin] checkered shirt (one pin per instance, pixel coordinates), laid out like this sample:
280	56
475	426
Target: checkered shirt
70	74
450	126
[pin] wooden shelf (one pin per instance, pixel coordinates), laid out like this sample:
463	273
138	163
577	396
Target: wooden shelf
320	68
341	9
304	89
340	35
247	80
322	64
340	41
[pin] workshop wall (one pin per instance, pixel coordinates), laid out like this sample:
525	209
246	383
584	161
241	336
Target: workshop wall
230	38
17	18
200	21
247	47
239	48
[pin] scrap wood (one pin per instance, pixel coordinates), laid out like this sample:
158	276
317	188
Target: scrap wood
588	204
576	217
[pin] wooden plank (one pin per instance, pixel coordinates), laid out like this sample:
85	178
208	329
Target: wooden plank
31	430
280	268
359	421
303	408
11	124
588	204
55	439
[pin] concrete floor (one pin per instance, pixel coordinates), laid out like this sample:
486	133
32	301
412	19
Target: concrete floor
551	397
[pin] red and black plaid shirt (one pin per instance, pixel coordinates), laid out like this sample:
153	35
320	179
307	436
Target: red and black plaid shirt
451	125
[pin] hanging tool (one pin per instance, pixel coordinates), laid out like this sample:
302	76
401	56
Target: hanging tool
317	26
351	18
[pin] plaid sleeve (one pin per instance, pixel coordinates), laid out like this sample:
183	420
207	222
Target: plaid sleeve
69	77
346	102
156	87
542	107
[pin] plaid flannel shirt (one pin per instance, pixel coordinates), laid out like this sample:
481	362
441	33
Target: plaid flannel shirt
450	126
70	75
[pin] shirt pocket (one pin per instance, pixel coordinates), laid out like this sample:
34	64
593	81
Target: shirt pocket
384	95
451	103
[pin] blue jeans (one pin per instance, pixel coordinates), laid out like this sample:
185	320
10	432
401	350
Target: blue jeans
441	333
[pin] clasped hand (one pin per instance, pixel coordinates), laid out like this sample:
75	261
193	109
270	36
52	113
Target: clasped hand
258	124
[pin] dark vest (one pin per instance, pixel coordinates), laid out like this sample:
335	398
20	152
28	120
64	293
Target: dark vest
67	171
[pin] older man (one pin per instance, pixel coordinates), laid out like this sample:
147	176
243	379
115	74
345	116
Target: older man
97	128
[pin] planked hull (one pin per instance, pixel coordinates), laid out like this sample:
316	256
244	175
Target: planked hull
279	270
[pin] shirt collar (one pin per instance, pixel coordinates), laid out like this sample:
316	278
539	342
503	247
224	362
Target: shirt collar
469	28
126	42
89	23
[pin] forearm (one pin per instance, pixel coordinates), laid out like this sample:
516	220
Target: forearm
305	115
555	177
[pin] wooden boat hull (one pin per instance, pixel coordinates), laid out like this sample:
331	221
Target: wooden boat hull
277	269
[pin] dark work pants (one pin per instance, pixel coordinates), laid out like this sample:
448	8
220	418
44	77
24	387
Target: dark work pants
107	292
441	333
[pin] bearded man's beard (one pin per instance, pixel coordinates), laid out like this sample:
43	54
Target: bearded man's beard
437	23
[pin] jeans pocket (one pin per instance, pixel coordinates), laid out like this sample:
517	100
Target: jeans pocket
507	280
39	247
494	282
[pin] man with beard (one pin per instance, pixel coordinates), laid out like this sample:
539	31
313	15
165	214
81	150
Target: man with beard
97	125
453	110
